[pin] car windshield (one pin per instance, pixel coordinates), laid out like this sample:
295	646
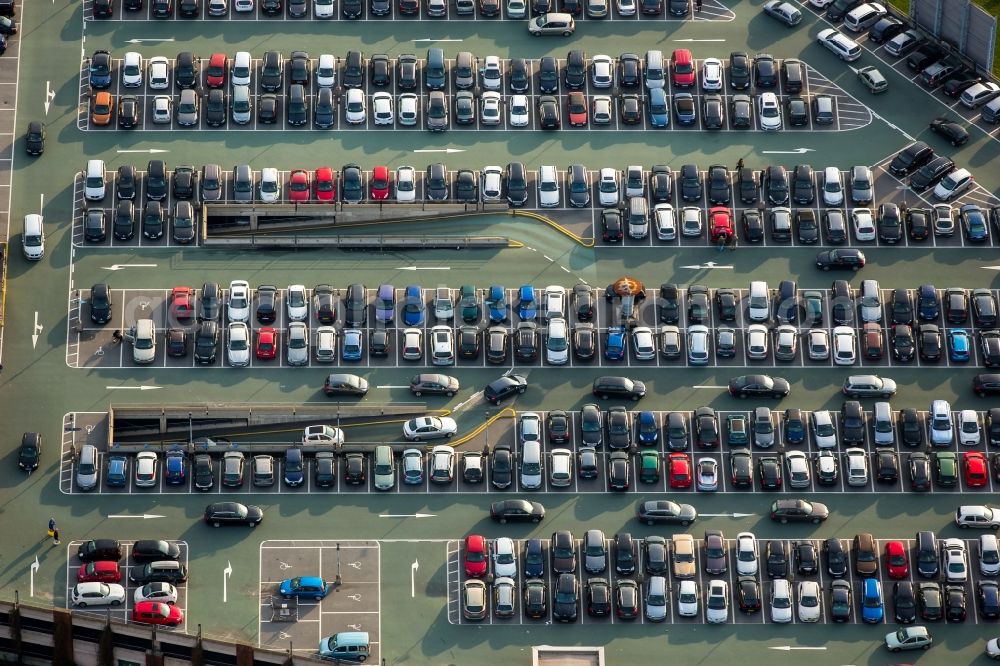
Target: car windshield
688	598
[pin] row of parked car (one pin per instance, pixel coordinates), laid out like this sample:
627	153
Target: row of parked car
677	558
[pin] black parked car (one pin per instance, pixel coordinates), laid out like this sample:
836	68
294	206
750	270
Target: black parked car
30	451
501	466
835	556
840	601
153	550
911	158
100	549
930	173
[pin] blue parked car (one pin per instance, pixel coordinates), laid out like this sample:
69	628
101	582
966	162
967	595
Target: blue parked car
307	587
385	303
659	109
117	471
872	606
527	306
294	467
928	303
614	346
959	344
974	223
534	559
647	429
354	345
496	302
413	306
175	467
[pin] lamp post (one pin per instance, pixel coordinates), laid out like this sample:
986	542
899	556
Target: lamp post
339	580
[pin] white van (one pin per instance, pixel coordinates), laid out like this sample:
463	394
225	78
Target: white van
242	68
557	344
655	75
87	469
33	237
93	186
531	465
759	306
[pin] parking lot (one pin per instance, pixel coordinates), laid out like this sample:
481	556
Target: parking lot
350	567
124	612
8	127
589	477
456	577
91	345
711	10
849	112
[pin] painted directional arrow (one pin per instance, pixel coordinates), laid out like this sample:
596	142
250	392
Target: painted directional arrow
699	40
428	39
707	264
150	39
787	648
226	573
709	386
407	515
118	267
413	578
144	387
991	268
36	331
449	151
144	516
424	268
34	568
793	151
151	151
727	515
49	96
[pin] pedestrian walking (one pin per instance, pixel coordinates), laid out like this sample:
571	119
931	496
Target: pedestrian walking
116	336
732	243
697	4
739	164
55	537
52	526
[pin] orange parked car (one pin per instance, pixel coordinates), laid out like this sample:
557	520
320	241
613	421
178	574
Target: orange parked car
103	103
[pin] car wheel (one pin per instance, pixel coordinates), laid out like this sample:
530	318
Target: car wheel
604	396
362	658
826	268
449	393
777	396
925	647
215	524
253	524
416	393
81	605
649	522
503	521
521	390
893	649
815	521
449	435
567	33
535	520
783	521
685	523
743	396
635	398
116	603
963	526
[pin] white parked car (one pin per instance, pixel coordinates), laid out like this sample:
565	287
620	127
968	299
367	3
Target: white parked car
491	73
810	601
561	468
406	188
356	109
326	71
238	344
407	109
491	184
666	223
429	427
691	221
968	427
238	305
757	335
557	342
844	345
492	112
269	188
939	423
326	344
159	73
797	465
687	598
520	115
442	345
382	110
163	110
132	70
323	9
97	594
642	343
504	557
297	344
824	434
516	9
781	601
698	337
608	187
746	554
818	340
711	74
944	220
555	302
602	71
954	562
601	110
833	186
322	434
163	592
296	302
864	224
625	7
857	466
953	184
717	603
979	94
145	469
708	474
841	45
413	344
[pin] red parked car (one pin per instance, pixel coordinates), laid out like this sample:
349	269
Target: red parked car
182	304
720	223
381	183
680	470
476	559
155	612
216	74
298	185
684	74
104	571
976	474
576	105
267	343
324	184
896	560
